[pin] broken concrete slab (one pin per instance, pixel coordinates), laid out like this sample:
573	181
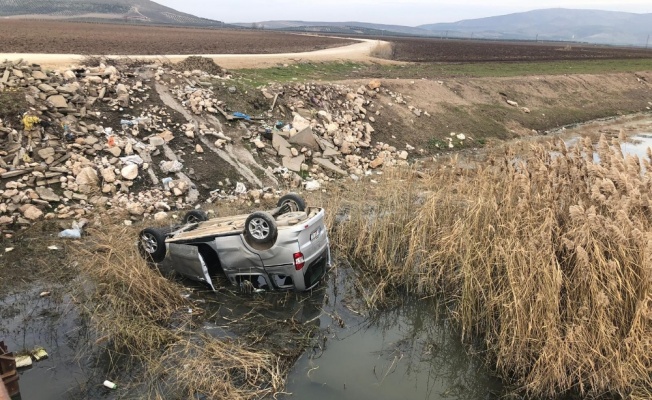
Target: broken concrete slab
294	163
305	138
329	165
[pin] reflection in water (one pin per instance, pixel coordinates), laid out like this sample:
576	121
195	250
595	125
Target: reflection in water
404	353
638	145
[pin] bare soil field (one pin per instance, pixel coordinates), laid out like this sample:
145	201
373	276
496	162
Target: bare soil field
56	37
438	50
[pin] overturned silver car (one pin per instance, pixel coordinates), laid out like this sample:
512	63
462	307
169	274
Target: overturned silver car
284	248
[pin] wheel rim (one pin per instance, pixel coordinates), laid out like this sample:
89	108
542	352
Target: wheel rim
259	228
289	206
149	243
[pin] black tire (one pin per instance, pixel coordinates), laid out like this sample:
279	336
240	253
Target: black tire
151	243
291	202
260	228
194	216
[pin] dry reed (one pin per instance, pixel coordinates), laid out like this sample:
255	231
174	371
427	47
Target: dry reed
546	256
140	314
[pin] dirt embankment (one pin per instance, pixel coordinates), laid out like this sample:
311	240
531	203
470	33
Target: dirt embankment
490	109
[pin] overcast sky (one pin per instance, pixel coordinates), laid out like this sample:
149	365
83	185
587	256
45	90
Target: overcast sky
410	12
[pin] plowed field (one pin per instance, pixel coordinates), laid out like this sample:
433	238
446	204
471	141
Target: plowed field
56	37
438	50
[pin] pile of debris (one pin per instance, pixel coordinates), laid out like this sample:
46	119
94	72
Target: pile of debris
98	137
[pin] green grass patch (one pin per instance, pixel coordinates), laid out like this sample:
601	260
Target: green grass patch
332	71
327	71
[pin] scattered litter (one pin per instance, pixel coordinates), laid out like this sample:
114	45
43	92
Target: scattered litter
166	182
23	361
110	384
53	248
8	249
134	159
39	354
240	115
74	233
240	188
45	294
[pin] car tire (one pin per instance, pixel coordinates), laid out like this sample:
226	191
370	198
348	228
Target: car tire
291	202
151	243
195	216
261	228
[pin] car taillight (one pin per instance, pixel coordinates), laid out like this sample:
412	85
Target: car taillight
299	262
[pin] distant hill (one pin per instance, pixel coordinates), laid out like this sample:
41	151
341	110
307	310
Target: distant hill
337	27
141	11
591	26
558	24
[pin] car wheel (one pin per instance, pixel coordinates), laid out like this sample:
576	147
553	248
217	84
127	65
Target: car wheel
291	202
151	244
260	228
195	216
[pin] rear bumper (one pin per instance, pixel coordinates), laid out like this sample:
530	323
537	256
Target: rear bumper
316	266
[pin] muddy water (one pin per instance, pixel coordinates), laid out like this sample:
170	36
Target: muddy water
29	321
404	353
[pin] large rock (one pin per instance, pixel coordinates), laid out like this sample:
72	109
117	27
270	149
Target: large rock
156	141
135	209
39	75
32	213
108	174
299	123
46	152
130	172
377	162
87	176
58	101
45	88
47	194
374	84
170	166
305	138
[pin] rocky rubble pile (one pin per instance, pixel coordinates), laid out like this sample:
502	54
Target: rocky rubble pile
78	148
99	138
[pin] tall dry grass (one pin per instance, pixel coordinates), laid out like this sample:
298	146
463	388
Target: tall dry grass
545	256
141	318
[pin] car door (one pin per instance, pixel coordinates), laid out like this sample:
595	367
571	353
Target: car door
187	261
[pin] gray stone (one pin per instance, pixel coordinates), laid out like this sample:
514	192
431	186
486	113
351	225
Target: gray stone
294	163
39	75
45	88
130	172
156	141
46	152
47	194
58	101
115	150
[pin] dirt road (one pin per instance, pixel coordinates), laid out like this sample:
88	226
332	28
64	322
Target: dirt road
355	52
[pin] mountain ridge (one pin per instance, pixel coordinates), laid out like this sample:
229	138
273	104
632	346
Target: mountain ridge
554	24
137	11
